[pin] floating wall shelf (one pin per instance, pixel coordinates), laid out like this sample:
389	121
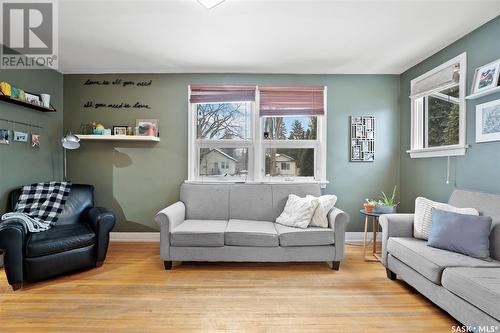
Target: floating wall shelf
118	138
26	104
484	93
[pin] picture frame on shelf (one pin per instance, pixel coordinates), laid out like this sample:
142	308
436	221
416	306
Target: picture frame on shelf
147	127
486	77
33	98
488	121
119	130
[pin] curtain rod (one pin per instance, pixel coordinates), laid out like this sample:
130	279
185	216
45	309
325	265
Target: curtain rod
21	123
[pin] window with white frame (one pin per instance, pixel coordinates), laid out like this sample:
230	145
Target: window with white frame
257	134
438	113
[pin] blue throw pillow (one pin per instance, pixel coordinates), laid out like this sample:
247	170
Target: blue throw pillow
467	234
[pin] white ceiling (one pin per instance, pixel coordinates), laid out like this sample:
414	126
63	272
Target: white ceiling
245	36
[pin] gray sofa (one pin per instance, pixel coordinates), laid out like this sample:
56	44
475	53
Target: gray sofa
467	288
235	222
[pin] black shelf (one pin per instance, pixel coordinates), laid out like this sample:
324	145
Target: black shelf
26	104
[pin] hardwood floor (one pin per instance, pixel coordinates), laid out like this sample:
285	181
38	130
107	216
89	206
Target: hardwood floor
133	293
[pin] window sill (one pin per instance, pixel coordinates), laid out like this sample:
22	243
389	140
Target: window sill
322	183
456	150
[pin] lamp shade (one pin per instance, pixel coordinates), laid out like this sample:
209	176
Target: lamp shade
70	141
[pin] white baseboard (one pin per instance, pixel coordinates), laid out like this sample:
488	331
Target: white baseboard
152	237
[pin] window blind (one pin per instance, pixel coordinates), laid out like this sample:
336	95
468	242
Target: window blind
441	80
221	93
294	100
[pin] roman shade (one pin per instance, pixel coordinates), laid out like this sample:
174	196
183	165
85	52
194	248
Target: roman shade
443	79
281	101
221	93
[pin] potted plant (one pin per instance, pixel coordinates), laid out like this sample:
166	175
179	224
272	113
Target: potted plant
387	205
369	205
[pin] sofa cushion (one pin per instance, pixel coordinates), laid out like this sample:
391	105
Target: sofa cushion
429	261
199	233
206	201
59	238
244	198
251	233
478	286
289	236
282	191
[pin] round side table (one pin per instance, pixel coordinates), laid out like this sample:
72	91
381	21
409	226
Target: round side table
374	217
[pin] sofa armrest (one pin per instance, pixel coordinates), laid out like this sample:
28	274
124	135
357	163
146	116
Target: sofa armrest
394	225
102	222
168	218
13	236
338	221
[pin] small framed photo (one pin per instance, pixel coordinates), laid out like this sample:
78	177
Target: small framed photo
357	120
35	141
368	123
33	98
486	77
4	136
359	131
356	152
488	121
368	157
20	136
354	142
369	135
365	146
147	127
119	130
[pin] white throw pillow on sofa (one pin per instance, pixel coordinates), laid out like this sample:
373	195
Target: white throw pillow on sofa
298	211
422	221
325	204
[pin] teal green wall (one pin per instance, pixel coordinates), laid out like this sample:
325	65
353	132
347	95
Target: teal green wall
479	168
19	163
136	180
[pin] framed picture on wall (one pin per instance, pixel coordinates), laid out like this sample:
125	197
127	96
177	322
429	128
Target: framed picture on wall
119	130
486	77
488	121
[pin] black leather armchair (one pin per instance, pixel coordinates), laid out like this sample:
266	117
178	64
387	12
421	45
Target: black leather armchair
78	240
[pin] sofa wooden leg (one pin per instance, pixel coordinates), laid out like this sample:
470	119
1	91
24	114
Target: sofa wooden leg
17	286
167	264
335	265
99	263
390	274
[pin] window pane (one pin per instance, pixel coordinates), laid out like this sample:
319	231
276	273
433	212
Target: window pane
223	162
442	120
223	120
290	128
290	162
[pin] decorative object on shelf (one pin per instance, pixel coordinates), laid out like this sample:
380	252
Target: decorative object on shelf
387	205
362	139
87	128
45	100
130	130
4	136
486	77
33	99
369	205
119	130
148	127
99	129
488	121
20	136
5	88
35	141
69	141
107	131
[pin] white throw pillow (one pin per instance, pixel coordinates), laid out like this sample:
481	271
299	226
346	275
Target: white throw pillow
422	221
325	204
298	211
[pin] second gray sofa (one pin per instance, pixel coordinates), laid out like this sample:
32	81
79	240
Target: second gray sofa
235	222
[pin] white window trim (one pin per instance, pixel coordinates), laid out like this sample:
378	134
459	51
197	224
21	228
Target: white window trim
417	149
256	149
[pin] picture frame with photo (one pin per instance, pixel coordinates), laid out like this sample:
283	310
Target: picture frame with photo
33	98
20	136
362	140
147	127
486	77
4	136
119	130
35	141
488	121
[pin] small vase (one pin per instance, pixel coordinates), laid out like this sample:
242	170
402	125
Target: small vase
368	207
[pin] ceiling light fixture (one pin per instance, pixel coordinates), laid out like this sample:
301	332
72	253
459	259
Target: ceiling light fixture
210	3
